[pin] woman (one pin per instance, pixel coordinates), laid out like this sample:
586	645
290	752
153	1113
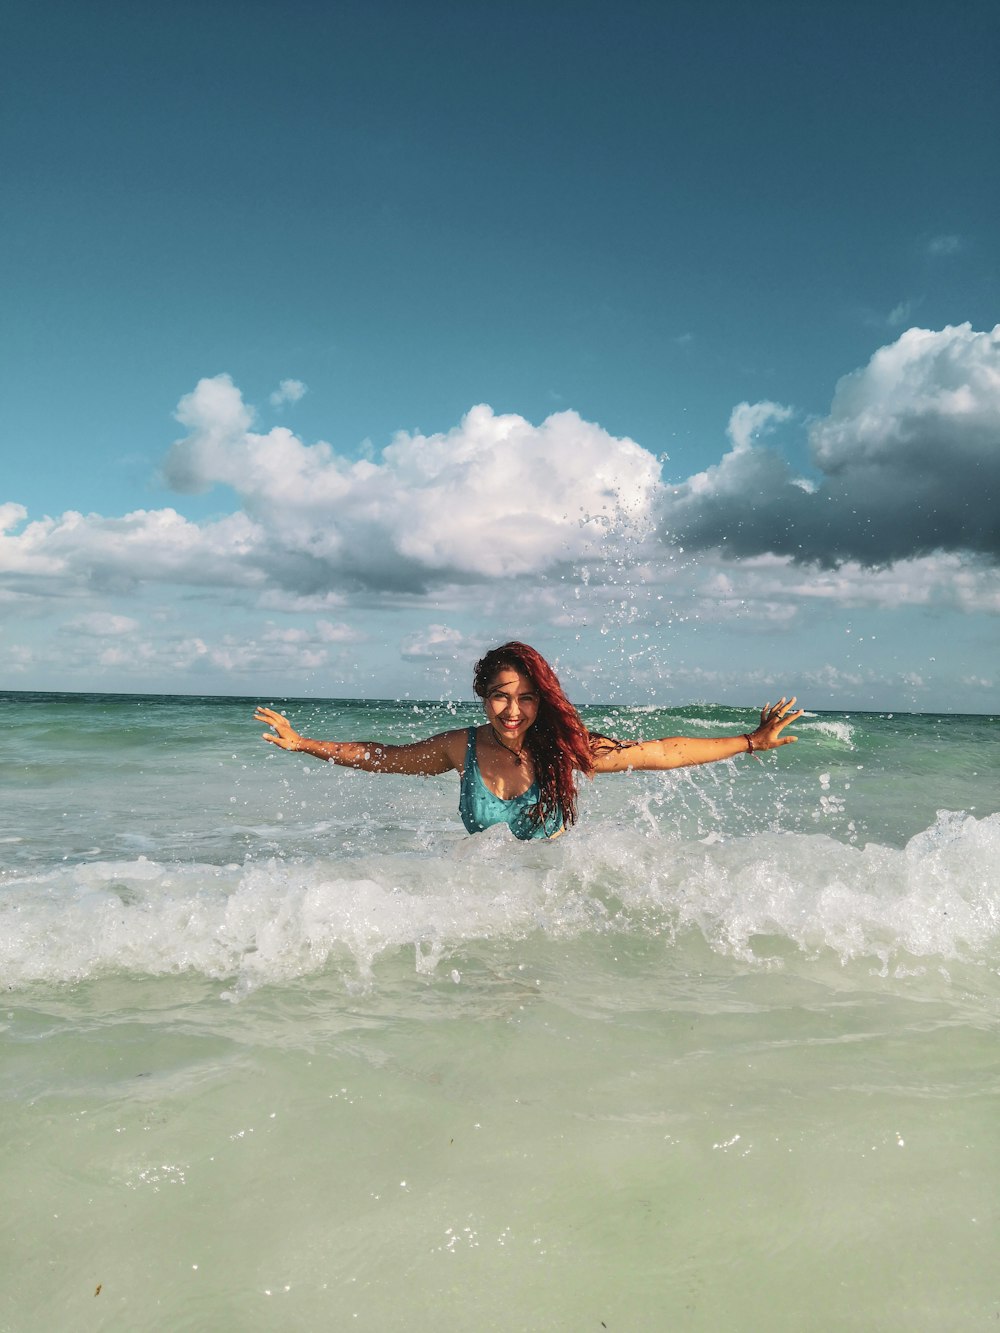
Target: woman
519	768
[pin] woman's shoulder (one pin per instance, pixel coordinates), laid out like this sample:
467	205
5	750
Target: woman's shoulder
453	743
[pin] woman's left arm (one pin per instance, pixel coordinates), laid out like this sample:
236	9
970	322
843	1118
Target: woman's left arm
684	751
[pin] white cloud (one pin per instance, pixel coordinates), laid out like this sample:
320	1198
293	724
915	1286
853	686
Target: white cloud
494	497
276	635
288	391
99	645
337	633
323	632
11	516
60	556
101	625
276	599
833	678
748	421
901	314
437	641
217	418
500	522
18	657
944	245
940	582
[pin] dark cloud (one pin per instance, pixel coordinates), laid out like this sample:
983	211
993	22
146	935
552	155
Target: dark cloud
909	457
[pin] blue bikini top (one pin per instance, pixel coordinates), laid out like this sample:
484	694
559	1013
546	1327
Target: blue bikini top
480	808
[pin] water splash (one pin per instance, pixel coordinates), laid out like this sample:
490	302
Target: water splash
751	898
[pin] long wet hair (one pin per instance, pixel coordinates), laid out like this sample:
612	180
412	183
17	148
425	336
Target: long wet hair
558	742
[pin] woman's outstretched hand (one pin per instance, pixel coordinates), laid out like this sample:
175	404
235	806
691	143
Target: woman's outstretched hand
772	721
287	737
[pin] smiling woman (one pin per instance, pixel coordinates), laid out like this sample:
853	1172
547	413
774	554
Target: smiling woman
519	768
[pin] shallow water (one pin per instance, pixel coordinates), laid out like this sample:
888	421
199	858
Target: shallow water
283	1048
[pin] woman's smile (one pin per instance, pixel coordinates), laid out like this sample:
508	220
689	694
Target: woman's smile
511	704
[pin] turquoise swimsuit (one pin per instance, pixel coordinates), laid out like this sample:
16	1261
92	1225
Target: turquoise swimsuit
480	808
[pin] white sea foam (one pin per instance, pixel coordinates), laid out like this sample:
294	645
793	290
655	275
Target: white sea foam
839	731
704	724
751	898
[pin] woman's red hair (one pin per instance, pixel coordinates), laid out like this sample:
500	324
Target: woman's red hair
558	741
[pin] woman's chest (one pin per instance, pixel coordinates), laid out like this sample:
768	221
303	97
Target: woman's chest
505	775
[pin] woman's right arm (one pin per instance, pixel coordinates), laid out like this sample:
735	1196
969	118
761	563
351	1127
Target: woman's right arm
436	754
613	756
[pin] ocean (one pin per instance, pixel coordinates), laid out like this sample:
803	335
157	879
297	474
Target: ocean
284	1048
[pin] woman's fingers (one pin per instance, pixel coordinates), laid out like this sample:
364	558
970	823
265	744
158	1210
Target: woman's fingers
785	721
279	722
273	719
781	712
774	720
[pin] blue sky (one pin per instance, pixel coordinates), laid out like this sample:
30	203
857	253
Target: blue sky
343	340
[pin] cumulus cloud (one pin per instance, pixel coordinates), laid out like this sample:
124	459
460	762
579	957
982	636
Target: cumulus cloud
60	556
909	456
218	419
494	497
907	466
460	514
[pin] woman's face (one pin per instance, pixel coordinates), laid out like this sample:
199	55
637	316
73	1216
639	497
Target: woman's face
511	705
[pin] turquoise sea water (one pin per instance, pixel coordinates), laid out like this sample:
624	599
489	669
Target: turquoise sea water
282	1048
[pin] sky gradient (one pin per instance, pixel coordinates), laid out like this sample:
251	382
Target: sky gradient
342	341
